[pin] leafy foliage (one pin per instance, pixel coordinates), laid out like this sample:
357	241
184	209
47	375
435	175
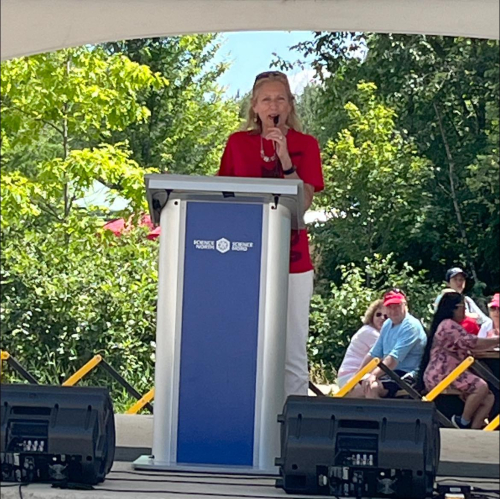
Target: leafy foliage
374	187
70	290
189	120
68	102
96	294
409	130
444	94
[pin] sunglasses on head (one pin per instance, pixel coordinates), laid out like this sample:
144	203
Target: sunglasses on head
380	314
269	74
396	290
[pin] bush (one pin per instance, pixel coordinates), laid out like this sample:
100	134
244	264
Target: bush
94	295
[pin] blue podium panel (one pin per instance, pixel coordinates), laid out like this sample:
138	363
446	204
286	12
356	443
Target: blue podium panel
219	333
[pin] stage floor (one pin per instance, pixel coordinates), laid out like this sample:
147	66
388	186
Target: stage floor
466	455
123	483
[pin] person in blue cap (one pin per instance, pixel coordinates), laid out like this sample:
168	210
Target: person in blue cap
456	279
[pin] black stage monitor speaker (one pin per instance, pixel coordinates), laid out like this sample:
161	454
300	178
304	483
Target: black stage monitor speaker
350	447
56	433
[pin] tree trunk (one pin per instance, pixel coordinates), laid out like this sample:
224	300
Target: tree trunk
456	204
66	147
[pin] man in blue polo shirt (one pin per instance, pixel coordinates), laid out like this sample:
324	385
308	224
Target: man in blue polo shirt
400	345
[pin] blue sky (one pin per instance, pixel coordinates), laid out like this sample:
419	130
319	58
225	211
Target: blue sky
251	52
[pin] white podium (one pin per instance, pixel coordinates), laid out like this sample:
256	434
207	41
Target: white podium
221	320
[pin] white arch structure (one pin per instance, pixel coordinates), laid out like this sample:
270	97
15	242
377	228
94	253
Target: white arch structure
35	26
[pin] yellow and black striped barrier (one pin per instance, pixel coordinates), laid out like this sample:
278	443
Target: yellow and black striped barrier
435	392
146	399
493	424
75	378
446	382
143	401
14	364
357	377
376	362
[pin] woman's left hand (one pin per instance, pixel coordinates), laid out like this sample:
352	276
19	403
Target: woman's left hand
277	136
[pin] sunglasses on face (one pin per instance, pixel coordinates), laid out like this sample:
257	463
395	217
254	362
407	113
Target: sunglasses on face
270	74
380	314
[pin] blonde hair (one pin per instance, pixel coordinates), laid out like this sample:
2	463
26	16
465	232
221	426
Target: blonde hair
253	122
370	312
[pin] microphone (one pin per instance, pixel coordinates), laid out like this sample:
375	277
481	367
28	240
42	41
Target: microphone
276	120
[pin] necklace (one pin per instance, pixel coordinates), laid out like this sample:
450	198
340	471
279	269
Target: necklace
266	159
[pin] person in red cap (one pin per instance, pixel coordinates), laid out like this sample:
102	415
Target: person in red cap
494	314
400	346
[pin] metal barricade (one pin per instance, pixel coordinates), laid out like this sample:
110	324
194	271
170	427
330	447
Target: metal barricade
143	401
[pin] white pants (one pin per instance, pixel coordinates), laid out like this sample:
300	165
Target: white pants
300	289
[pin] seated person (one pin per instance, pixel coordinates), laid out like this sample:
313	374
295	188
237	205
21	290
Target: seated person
400	346
361	342
457	279
494	314
448	346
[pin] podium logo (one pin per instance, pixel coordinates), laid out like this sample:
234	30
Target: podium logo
223	245
203	245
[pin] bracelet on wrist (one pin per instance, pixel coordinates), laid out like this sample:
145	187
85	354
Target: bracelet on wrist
291	170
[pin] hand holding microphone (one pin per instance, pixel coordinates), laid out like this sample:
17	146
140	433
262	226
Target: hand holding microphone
276	135
276	120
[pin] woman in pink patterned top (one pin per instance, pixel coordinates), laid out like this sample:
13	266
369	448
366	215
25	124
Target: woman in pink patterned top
448	345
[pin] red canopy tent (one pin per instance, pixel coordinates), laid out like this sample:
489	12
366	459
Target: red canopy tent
120	226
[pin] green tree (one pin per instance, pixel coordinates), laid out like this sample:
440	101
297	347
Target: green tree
445	94
373	188
446	91
189	120
69	102
68	289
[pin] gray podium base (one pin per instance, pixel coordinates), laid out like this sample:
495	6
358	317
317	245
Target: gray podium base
149	464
